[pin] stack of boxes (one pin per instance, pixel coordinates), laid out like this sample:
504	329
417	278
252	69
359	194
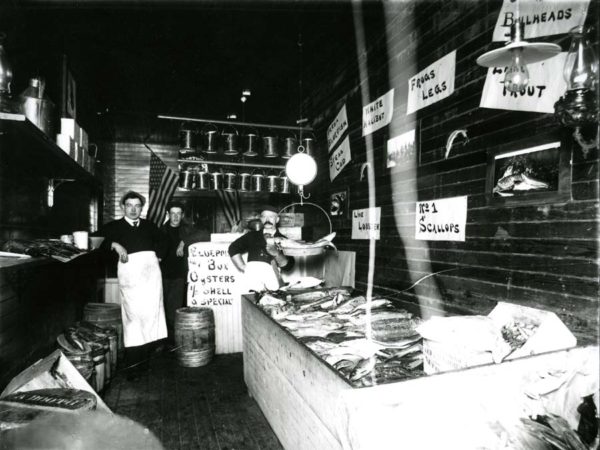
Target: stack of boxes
74	141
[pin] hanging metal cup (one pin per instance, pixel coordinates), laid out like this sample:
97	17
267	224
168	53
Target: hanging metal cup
230	181
250	142
272	182
244	180
308	142
290	145
203	183
284	182
258	181
209	136
229	137
217	181
270	145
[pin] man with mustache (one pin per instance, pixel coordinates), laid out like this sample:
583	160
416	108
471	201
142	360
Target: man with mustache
265	259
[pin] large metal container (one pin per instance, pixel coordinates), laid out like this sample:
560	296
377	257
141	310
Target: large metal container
38	108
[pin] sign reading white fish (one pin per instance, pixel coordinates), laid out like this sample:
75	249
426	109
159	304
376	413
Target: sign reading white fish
441	220
366	223
432	84
545	87
337	128
378	114
339	158
401	149
541	17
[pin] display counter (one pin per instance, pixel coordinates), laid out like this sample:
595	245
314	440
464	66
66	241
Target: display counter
310	405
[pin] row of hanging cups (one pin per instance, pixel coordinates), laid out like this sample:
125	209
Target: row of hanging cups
256	181
250	143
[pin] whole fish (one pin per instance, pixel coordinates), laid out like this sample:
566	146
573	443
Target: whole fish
363	368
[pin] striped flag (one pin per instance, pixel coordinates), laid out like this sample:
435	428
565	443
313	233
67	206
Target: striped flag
163	182
230	202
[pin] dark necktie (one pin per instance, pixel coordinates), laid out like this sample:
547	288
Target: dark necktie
136	223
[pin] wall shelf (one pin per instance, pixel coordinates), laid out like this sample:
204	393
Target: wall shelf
235	164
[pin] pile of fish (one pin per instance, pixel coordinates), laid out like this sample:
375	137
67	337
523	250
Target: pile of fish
291	245
368	344
52	248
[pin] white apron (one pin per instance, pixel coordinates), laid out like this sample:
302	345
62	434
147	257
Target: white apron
140	287
259	276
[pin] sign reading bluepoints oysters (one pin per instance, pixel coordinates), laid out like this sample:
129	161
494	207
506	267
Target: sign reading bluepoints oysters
337	128
366	223
541	17
441	220
432	84
545	87
339	158
378	114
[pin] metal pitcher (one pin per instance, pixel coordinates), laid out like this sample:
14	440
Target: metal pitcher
209	137
244	182
250	142
217	181
230	181
257	181
270	146
229	137
290	145
37	107
308	142
203	181
272	181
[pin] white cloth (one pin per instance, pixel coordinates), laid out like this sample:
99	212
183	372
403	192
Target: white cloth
259	276
140	287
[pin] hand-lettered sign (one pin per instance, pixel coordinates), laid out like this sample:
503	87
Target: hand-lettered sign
441	220
339	158
541	17
366	223
545	87
337	128
432	84
401	149
378	114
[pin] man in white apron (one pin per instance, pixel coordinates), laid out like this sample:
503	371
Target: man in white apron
137	242
265	260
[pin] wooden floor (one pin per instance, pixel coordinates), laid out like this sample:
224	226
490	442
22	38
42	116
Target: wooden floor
194	408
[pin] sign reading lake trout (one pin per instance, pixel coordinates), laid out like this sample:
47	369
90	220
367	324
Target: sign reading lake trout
545	87
432	84
378	114
541	17
337	128
441	220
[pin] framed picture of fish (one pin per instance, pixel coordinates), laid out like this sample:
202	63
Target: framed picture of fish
528	174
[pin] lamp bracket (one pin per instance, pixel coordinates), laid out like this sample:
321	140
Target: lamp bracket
586	146
53	183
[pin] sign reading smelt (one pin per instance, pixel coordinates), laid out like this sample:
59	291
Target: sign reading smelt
337	128
545	87
401	149
366	223
378	114
212	278
339	158
541	17
432	84
441	220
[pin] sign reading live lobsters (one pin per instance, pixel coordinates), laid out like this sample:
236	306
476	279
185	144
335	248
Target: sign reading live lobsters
432	84
441	220
378	114
366	223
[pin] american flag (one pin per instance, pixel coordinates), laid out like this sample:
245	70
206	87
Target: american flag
163	182
230	202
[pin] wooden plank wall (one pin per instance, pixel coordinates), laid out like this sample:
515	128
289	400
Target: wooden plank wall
542	255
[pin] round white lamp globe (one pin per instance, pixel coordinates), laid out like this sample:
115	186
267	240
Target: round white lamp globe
301	169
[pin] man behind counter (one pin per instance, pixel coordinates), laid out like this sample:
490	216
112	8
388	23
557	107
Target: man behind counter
265	260
174	265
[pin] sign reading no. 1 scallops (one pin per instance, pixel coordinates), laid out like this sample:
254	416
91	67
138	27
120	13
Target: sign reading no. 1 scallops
441	220
339	158
378	114
433	84
337	128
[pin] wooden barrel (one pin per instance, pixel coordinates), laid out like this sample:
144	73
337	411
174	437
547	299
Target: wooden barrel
105	315
194	336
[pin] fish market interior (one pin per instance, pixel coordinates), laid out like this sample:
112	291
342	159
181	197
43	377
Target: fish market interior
277	224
